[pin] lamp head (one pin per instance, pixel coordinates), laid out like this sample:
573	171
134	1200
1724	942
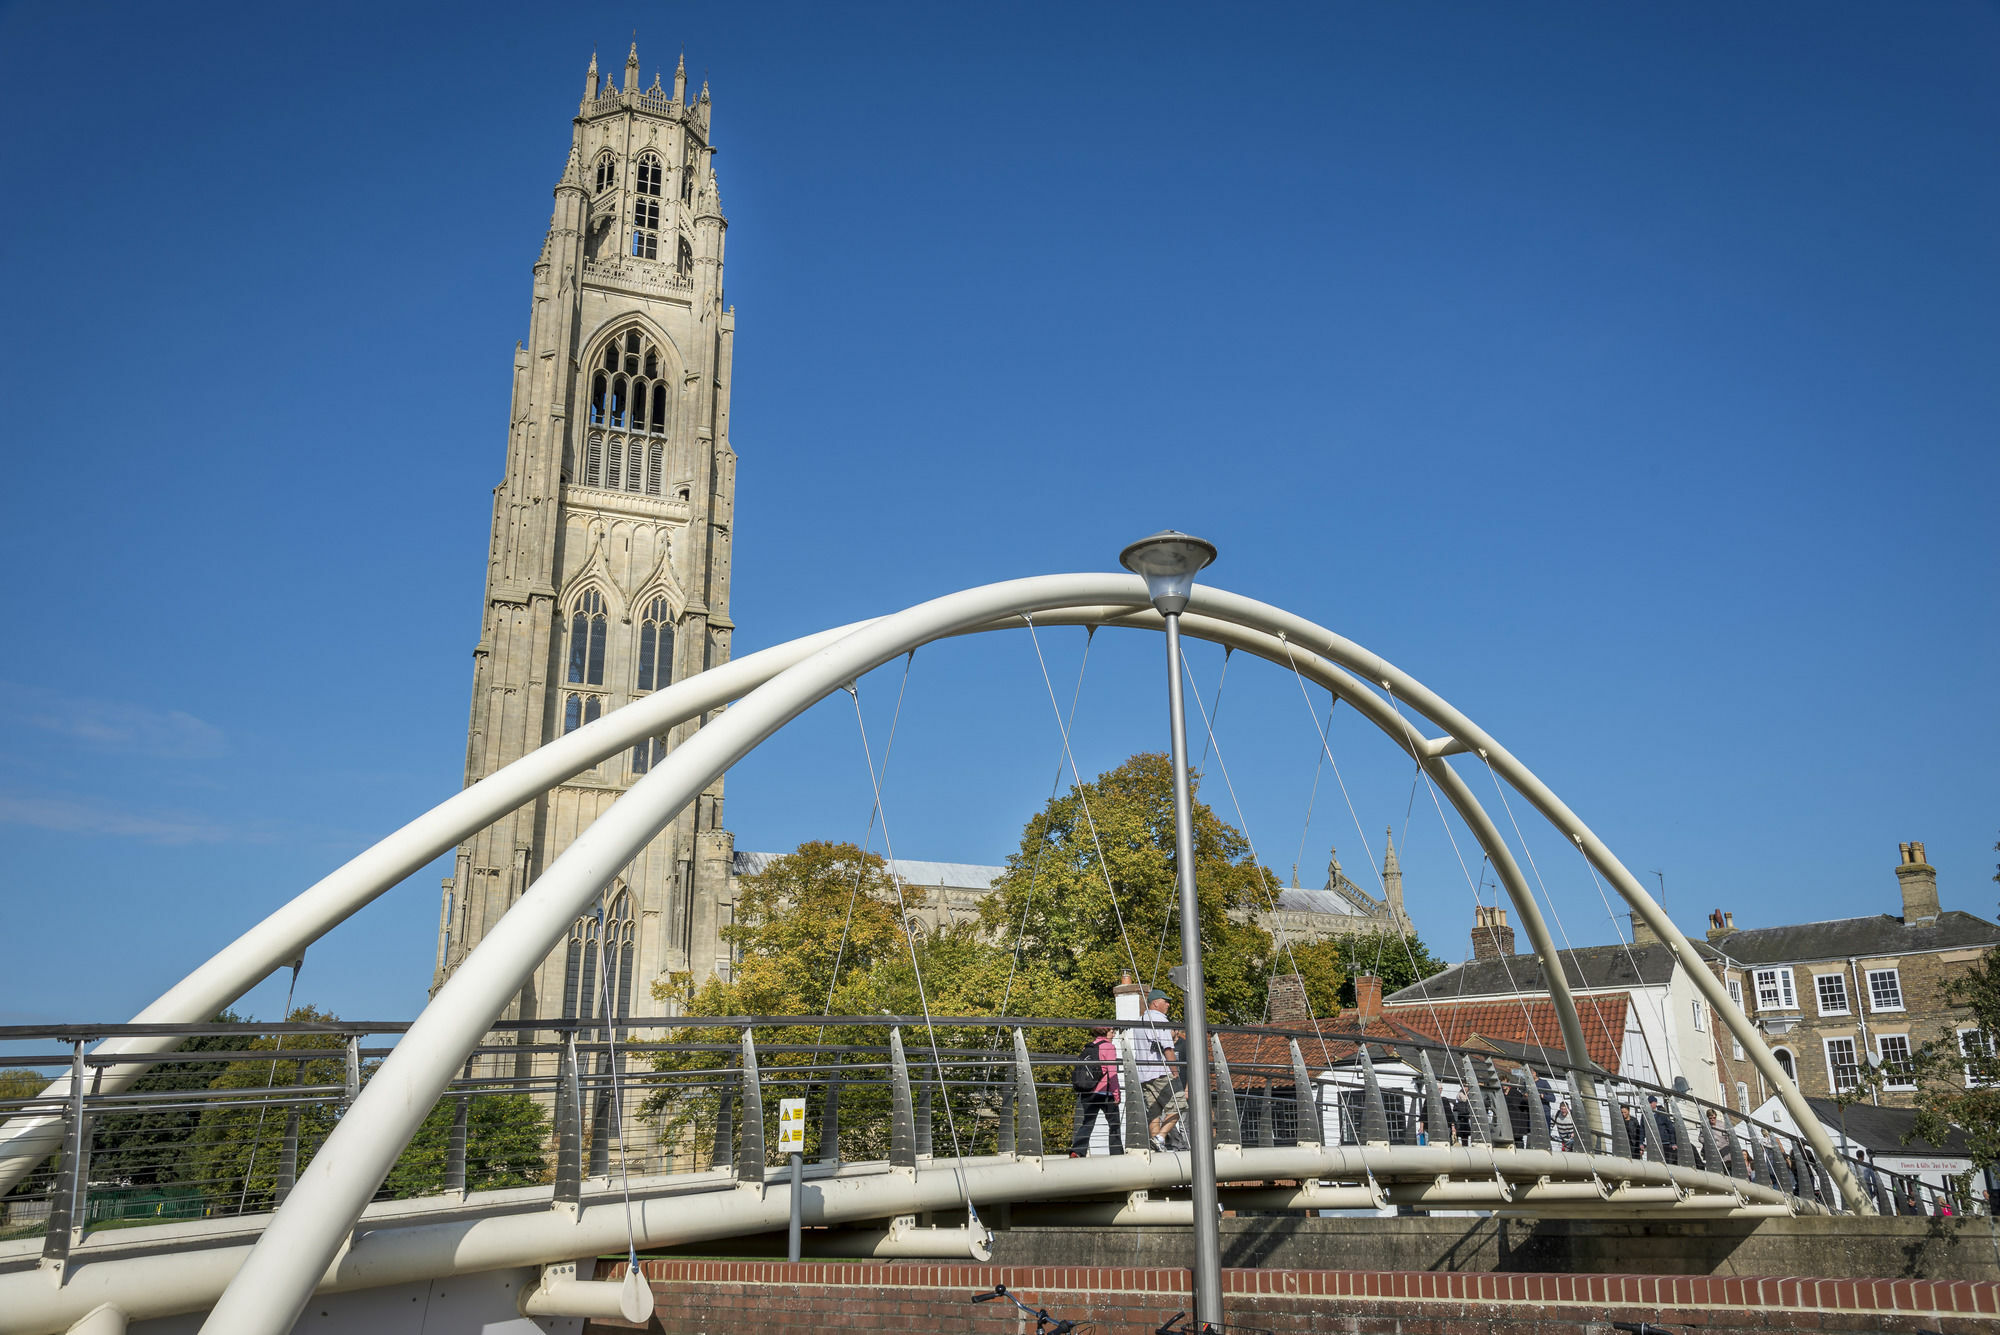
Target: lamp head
1168	561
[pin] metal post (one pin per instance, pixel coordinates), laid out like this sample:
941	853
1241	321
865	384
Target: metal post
1201	1138
798	1209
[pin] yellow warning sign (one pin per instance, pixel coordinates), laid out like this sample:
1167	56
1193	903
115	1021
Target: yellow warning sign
791	1126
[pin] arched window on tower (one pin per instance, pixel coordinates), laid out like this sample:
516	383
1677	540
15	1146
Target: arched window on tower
684	259
586	641
607	172
656	646
687	178
598	965
646	210
628	394
649	175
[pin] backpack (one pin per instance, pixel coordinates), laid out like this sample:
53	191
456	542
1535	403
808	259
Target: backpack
1088	1073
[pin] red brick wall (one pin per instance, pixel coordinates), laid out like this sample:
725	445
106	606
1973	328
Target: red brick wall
770	1297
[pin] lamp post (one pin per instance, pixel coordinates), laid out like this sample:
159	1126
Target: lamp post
1169	561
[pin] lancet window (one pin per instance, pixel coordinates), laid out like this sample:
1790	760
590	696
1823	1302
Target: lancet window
586	640
607	173
598	966
646	210
684	259
629	401
656	646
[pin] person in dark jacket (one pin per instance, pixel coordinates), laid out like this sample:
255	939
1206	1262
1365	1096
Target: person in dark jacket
1670	1138
1461	1115
1635	1134
1103	1099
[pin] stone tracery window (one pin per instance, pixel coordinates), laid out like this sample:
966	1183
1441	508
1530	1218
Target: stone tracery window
597	988
646	210
586	641
656	646
628	395
607	172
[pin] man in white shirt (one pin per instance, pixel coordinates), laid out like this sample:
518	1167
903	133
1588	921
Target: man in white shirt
1153	1049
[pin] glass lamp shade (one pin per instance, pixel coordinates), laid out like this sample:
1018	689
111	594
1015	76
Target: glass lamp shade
1168	561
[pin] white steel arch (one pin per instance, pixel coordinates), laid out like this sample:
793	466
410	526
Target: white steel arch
288	1262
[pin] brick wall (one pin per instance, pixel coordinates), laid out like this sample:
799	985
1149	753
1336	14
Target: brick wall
770	1297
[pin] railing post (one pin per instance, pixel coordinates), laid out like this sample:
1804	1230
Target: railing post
569	1127
1026	1104
1503	1121
1138	1127
750	1150
1307	1107
1538	1116
454	1162
288	1159
1476	1118
69	1200
1435	1122
353	1081
902	1125
1374	1113
1228	1122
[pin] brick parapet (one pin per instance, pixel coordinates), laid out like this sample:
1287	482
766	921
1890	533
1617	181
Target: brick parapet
1139	1297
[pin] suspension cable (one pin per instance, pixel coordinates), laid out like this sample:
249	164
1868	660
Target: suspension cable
916	965
1103	867
617	1090
1034	875
868	838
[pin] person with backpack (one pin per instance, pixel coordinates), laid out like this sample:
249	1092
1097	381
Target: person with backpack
1095	1080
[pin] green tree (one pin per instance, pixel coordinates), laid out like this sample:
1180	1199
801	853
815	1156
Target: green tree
1960	1086
1331	964
152	1147
236	1147
506	1137
1076	939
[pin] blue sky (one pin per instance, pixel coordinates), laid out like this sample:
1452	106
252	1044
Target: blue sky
1627	373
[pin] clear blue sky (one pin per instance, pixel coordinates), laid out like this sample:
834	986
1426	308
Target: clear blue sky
1626	372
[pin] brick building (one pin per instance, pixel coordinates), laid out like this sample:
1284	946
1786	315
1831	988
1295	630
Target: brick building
1828	994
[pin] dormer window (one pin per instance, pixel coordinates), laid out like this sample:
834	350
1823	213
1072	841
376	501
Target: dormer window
607	173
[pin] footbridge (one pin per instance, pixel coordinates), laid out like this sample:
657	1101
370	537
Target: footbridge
377	1156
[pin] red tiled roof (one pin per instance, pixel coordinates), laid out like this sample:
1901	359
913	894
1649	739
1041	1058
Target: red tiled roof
1527	1021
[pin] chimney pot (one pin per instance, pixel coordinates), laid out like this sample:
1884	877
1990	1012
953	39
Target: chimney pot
1492	938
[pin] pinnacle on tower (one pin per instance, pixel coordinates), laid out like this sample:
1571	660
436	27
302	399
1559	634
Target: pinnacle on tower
1333	876
632	69
681	79
704	91
590	80
572	171
1392	877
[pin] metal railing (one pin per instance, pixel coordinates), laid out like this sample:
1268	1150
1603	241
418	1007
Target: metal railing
222	1127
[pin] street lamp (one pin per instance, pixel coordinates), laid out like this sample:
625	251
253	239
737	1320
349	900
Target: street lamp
1169	561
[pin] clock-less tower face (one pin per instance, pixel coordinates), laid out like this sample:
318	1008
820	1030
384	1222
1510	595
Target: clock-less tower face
608	570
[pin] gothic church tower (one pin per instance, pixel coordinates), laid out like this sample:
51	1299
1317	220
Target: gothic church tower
608	571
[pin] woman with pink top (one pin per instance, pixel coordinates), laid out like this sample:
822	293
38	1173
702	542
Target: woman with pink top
1103	1098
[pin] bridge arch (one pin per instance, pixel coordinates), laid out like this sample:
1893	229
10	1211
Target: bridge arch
282	1270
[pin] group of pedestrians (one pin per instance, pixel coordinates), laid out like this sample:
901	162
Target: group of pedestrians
1160	1085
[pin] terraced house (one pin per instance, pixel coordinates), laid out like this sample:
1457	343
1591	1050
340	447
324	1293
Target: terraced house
1828	995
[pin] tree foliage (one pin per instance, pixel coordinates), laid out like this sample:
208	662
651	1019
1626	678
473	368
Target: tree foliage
1093	884
506	1138
1959	1087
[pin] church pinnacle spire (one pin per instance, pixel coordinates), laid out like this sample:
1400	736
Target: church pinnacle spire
632	68
1392	878
681	79
590	79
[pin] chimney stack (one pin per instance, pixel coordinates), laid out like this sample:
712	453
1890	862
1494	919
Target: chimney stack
1367	999
1492	938
1918	880
1288	1002
1642	931
1720	925
1128	999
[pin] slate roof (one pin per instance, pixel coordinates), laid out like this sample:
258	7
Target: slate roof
1296	899
1589	967
963	875
1876	934
1882	1130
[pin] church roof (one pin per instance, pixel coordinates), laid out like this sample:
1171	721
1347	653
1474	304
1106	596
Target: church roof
1348	901
958	875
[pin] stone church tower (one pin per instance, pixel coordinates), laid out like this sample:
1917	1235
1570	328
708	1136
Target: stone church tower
608	571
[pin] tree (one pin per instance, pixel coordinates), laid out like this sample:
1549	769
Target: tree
506	1137
1958	1085
151	1147
1076	938
236	1147
1331	964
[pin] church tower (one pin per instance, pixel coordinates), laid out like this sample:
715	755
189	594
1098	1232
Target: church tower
608	570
